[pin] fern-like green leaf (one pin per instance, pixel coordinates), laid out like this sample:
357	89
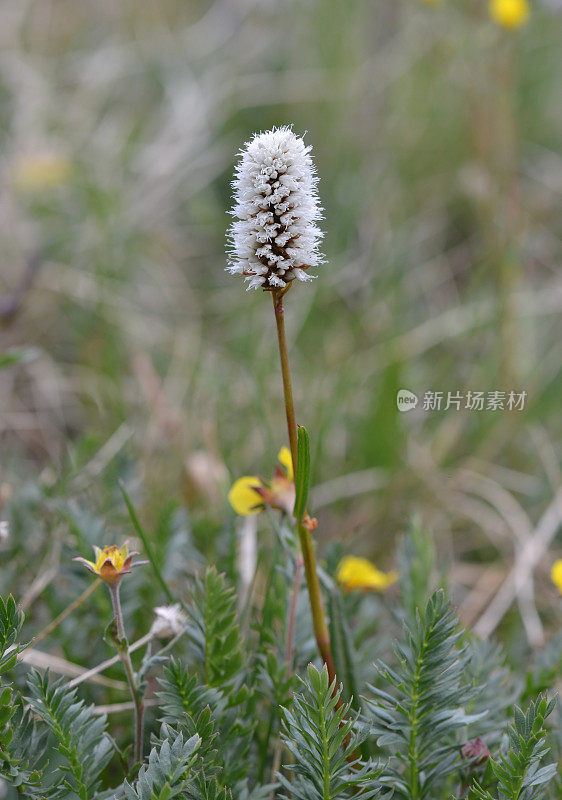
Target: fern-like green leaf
322	736
80	734
168	771
11	620
215	635
22	752
181	693
198	709
519	773
417	718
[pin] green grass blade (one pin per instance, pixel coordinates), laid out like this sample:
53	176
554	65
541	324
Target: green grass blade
146	544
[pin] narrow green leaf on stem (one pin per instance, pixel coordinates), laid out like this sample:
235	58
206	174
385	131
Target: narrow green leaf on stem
302	469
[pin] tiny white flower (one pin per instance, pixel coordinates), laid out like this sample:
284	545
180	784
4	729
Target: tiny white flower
168	621
275	237
4	531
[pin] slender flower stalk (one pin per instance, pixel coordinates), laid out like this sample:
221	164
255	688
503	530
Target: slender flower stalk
279	310
275	240
307	546
123	650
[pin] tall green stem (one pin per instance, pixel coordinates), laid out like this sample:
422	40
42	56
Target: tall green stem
309	557
279	309
124	655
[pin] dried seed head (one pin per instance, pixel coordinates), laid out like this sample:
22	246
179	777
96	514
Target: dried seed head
275	238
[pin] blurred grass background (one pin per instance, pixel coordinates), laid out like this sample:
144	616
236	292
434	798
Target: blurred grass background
436	134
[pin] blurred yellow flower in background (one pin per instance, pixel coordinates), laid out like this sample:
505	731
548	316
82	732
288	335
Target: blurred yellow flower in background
244	496
355	573
509	13
34	173
284	458
249	494
556	574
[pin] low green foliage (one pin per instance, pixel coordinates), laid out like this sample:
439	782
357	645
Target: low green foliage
323	735
167	773
11	620
23	752
20	747
234	721
196	708
78	735
417	716
520	773
215	635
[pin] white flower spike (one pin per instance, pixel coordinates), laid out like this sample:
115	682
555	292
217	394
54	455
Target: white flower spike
275	238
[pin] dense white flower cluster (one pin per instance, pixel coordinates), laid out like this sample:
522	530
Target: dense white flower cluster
275	238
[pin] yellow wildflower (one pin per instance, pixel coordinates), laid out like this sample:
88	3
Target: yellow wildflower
355	573
43	171
250	494
509	13
112	562
244	496
556	574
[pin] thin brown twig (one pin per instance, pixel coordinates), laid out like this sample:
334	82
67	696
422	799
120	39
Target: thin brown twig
525	562
116	708
48	570
61	666
86	676
67	611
